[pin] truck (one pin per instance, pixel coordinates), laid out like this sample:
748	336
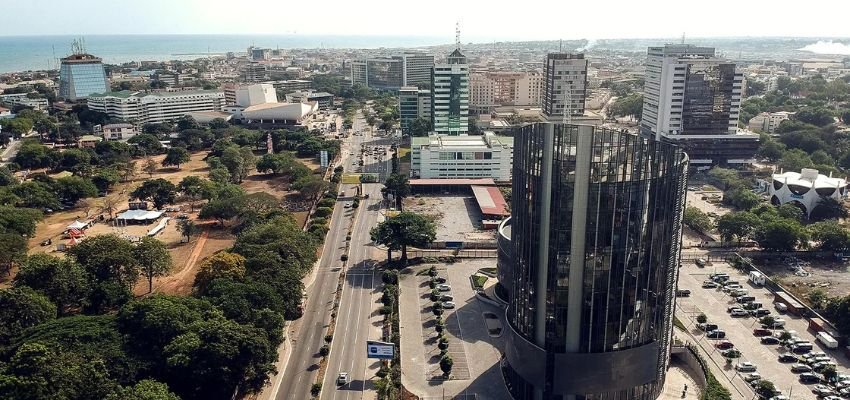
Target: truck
757	278
827	340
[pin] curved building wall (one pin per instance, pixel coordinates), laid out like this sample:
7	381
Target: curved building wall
596	232
505	262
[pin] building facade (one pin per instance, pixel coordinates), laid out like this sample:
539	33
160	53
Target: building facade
392	73
250	95
805	189
487	156
325	100
155	107
416	68
81	75
767	122
254	72
693	98
565	86
595	239
39	104
450	96
413	103
491	89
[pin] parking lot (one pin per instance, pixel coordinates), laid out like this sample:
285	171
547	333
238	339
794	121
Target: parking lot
714	302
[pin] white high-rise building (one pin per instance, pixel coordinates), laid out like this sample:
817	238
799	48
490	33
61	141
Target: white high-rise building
693	98
565	88
450	96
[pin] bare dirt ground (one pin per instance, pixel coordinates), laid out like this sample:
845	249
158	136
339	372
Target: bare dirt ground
458	218
830	275
185	256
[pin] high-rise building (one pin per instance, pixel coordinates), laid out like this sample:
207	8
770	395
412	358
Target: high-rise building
491	89
81	75
254	72
450	96
693	98
589	261
565	89
413	103
392	73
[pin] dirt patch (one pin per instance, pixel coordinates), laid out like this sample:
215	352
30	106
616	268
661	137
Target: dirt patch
831	276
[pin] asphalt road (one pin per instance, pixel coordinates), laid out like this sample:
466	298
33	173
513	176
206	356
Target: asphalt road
308	332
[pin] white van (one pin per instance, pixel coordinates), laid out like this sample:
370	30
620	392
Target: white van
757	278
781	307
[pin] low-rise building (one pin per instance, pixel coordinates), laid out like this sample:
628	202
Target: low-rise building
5	113
155	107
88	141
118	132
292	85
805	189
38	104
487	156
767	122
324	99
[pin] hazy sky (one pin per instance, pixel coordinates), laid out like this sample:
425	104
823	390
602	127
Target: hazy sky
480	20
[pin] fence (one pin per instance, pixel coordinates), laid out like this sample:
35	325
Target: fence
459	253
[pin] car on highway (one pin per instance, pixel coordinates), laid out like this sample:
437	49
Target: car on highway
770	340
724	345
716	334
342	378
444	288
709	285
788	358
799	368
745	366
449	304
808	377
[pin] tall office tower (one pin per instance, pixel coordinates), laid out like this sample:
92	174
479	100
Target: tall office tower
81	75
413	103
592	262
450	96
565	87
693	98
416	68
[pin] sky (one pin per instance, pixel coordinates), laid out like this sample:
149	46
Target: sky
479	20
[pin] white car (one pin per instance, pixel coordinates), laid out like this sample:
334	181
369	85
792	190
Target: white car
449	304
444	288
745	367
342	378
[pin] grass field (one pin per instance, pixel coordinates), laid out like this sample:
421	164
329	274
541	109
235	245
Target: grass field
351	179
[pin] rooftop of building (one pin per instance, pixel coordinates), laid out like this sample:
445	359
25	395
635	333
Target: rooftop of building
81	58
117	126
490	200
809	177
472	141
124	94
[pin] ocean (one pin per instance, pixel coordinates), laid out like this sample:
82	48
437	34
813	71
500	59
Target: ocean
21	53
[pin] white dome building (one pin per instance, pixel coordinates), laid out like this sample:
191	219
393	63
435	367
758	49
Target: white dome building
805	189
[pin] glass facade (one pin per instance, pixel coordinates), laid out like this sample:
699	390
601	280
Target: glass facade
79	79
596	230
708	99
385	74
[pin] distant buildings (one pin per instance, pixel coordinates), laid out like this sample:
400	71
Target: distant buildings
249	95
325	100
413	103
391	73
692	98
487	156
450	96
767	122
118	132
80	75
805	189
292	85
589	261
565	89
491	89
38	104
155	107
254	72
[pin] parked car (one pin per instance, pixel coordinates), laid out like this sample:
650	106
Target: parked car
808	377
683	293
746	299
798	368
739	313
752	377
745	366
761	312
819	367
449	304
706	327
733	308
761	332
823	390
724	345
447	297
709	285
780	397
700	262
444	288
716	334
770	340
787	358
752	306
439	279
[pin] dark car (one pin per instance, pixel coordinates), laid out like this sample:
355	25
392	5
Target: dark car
762	332
788	358
439	279
770	340
683	293
809	378
716	334
724	345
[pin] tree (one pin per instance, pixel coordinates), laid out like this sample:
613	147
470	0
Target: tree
629	106
405	229
770	149
765	388
187	228
145	389
62	280
702	318
830	235
36	195
73	188
187	122
21	308
845	117
21	221
698	220
829	373
13	247
795	160
446	364
728	178
278	240
218	123
146	144
309	187
780	235
110	262
18	126
742	198
109	204
828	208
737	225
159	191
399	186
238	161
220	265
420	126
817	297
176	156
815	115
790	211
150	167
153	258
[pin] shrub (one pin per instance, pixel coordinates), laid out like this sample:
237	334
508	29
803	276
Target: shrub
702	318
329	338
344	257
446	364
432	271
316	389
390	277
322	212
325	350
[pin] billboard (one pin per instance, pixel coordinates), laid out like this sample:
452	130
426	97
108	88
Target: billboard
382	350
323	158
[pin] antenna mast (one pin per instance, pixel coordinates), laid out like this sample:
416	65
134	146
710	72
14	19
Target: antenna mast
457	35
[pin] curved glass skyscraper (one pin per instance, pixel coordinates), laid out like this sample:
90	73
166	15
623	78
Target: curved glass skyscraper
595	239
